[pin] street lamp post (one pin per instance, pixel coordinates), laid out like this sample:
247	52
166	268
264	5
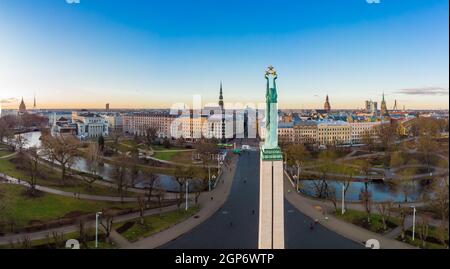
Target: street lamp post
209	178
343	200
96	228
187	194
414	222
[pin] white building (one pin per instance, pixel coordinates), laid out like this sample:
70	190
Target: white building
90	125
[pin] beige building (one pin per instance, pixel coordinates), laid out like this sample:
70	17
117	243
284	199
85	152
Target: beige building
333	132
139	123
325	133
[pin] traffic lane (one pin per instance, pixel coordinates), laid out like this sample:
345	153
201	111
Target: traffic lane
235	225
299	235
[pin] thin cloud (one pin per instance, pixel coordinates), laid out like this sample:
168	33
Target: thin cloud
424	91
9	100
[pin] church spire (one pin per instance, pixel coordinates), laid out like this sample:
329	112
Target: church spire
221	96
223	112
327	105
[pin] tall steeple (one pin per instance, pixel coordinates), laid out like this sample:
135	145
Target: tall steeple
221	96
327	105
223	112
34	103
384	110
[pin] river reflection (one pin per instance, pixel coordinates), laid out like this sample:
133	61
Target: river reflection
166	182
380	191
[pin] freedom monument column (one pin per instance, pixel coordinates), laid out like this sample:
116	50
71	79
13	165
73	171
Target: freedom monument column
271	206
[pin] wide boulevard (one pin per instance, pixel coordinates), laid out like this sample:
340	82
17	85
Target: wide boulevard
235	225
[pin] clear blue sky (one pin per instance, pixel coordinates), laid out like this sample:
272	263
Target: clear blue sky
154	53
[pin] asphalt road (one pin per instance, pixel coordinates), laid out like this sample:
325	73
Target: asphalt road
235	225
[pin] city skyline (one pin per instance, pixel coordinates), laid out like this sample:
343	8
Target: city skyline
152	55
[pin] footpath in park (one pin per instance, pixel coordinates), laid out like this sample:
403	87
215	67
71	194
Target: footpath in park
207	205
15	181
14	238
311	207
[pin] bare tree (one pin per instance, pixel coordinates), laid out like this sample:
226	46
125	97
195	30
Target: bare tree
142	206
368	139
365	197
107	220
427	146
58	239
206	150
331	195
423	228
62	149
441	204
82	232
115	135
180	142
396	159
150	135
152	182
403	214
181	177
406	182
93	160
384	208
160	193
296	155
20	141
119	176
387	134
31	163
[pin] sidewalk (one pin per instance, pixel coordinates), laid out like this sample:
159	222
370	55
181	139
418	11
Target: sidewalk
350	231
4	240
207	208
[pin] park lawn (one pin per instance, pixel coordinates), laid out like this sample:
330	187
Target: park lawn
50	242
52	180
154	224
162	147
23	210
336	168
359	218
165	155
432	241
5	152
184	157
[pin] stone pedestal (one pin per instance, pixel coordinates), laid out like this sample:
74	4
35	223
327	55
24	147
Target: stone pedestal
271	200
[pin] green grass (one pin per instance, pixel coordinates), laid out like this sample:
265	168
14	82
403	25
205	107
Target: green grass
51	178
155	223
50	243
24	210
5	152
431	242
359	218
165	156
162	147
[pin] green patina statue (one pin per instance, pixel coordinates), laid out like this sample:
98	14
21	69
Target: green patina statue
270	150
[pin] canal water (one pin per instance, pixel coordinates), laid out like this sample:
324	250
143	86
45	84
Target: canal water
380	191
166	182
